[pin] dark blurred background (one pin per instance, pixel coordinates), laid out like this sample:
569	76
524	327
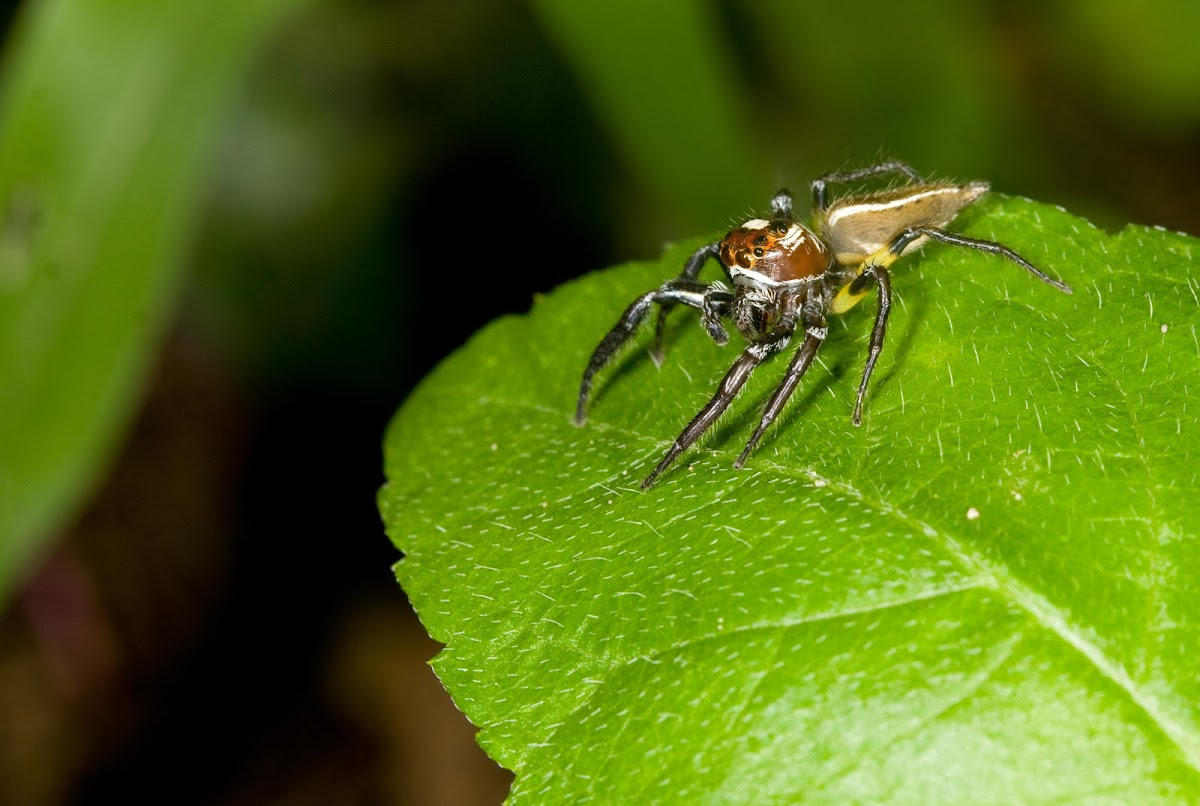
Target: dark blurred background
220	624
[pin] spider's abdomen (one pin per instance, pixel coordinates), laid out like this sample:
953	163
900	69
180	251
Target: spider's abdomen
856	227
773	251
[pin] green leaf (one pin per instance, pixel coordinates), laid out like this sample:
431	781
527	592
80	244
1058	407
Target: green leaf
990	592
110	113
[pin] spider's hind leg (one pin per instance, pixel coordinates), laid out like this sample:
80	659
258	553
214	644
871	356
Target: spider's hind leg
820	190
875	273
880	276
906	237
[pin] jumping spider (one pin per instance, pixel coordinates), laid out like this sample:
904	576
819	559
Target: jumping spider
787	277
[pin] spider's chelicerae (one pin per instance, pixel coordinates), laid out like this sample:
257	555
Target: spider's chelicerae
787	277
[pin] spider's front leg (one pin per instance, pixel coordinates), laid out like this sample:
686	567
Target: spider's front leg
714	305
712	302
814	336
687	278
727	390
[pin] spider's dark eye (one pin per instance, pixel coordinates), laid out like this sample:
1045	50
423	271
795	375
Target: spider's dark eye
758	252
761	240
780	228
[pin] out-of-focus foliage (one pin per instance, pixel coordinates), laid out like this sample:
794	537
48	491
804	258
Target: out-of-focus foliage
672	65
110	111
1043	99
1141	58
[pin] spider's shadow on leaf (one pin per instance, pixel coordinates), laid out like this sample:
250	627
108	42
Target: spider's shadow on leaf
629	358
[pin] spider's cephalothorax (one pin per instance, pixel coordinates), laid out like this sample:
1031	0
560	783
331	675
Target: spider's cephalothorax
786	277
774	265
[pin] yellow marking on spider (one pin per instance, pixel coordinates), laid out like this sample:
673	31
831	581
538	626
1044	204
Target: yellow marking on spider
847	299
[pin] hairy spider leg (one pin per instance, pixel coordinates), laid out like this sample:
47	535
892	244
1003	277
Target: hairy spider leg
880	276
990	247
875	272
691	270
820	193
727	390
695	295
814	337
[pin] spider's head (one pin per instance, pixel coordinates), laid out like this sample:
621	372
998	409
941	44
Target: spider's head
774	251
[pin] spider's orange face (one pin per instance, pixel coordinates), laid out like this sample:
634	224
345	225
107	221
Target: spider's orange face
777	251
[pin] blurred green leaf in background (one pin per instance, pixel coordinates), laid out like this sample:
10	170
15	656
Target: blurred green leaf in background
710	100
110	114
